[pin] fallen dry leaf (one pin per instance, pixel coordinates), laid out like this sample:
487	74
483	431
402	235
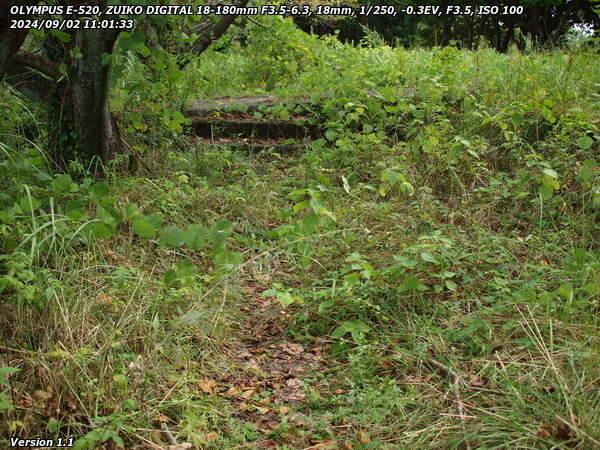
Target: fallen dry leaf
184	446
247	394
293	383
207	386
211	437
477	382
261	410
325	445
284	410
292	349
363	437
42	395
232	391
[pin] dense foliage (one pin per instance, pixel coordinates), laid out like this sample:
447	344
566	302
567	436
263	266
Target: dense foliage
447	217
543	23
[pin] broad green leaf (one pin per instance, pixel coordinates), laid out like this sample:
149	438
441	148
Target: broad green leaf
220	231
142	227
61	36
75	209
285	299
102	230
427	256
330	135
131	211
154	219
339	331
585	142
100	190
29	204
565	291
545	191
411	283
451	285
108	214
172	237
301	206
405	261
186	268
63	184
551	173
195	237
228	261
310	222
170	277
144	51
587	171
316	205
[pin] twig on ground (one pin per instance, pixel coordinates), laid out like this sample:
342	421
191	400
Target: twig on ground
168	434
457	382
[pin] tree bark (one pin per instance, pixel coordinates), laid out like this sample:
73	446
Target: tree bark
90	92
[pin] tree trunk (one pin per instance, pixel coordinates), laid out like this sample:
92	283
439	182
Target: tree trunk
89	87
80	125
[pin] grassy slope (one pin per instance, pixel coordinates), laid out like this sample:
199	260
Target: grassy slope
477	292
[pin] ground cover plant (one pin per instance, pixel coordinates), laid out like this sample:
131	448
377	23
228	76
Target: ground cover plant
424	273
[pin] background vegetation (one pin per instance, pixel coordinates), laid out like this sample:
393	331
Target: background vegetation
436	250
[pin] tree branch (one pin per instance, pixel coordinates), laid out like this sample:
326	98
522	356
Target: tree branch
39	63
29	75
210	34
10	40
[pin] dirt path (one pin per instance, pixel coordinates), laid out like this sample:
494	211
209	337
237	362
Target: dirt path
268	373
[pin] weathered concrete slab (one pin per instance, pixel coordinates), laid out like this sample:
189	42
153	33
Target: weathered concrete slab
251	104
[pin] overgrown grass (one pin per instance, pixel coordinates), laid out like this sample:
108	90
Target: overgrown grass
439	245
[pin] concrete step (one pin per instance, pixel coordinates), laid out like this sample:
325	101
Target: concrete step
214	127
253	145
